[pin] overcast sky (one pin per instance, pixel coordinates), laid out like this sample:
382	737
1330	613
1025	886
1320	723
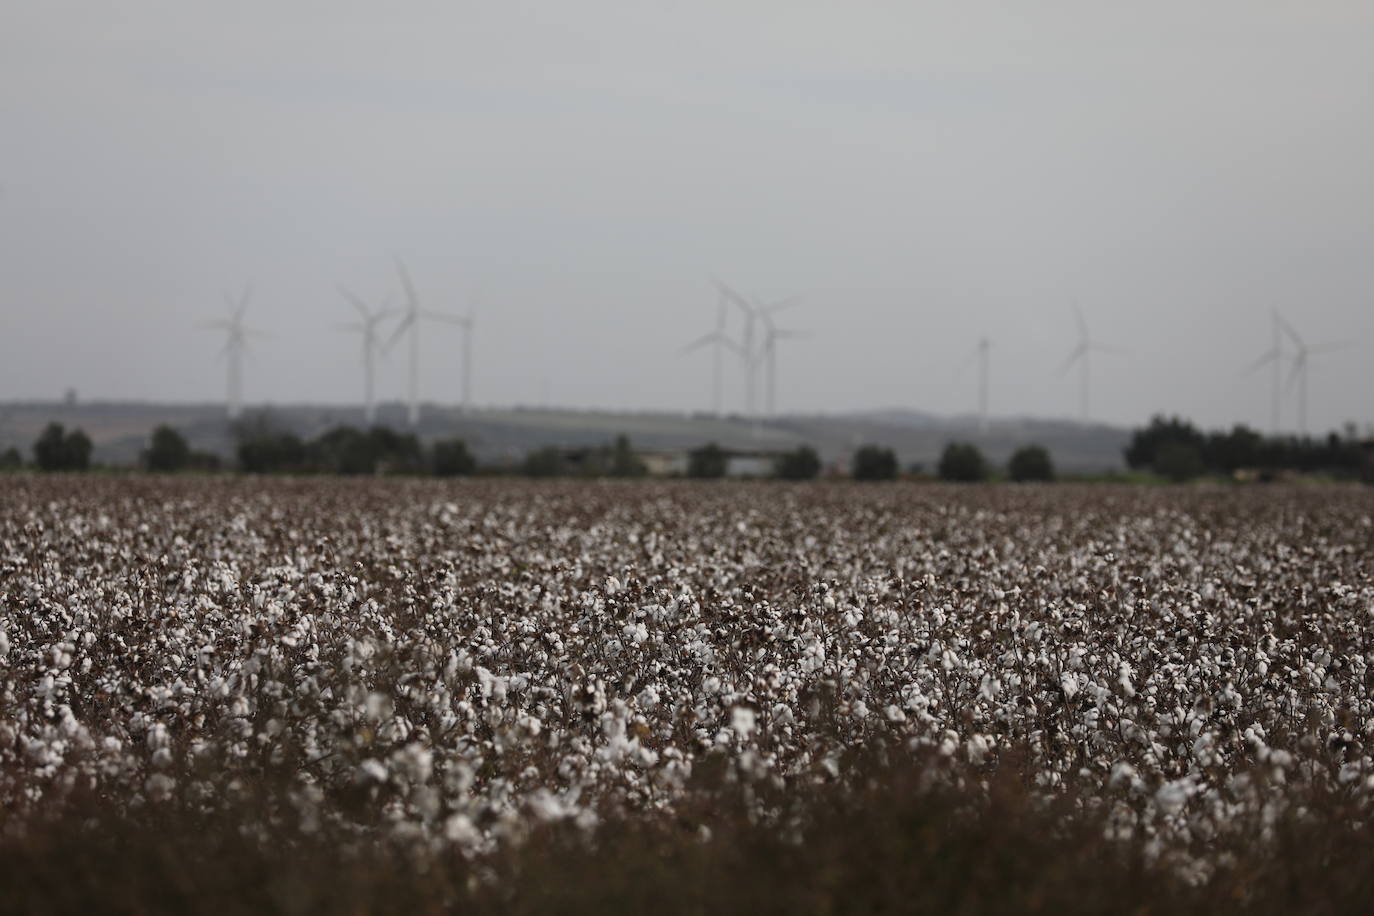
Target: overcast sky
920	173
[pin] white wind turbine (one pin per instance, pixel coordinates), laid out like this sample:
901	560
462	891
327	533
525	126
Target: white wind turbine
368	326
719	342
1274	357
1081	354
751	358
234	347
981	353
411	321
768	352
1301	363
746	348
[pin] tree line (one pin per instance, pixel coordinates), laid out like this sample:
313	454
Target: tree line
1169	447
1176	449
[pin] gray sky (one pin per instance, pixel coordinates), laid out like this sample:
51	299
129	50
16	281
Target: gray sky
921	173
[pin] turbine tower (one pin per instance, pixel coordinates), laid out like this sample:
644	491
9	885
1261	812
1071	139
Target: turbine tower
233	348
1081	354
411	322
719	342
368	326
981	353
1301	363
1273	356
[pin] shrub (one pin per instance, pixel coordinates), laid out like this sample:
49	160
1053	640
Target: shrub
11	460
1030	462
963	462
801	464
59	450
167	451
1178	461
271	453
623	460
873	462
544	462
709	461
451	458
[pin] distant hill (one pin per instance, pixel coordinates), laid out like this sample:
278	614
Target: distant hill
502	434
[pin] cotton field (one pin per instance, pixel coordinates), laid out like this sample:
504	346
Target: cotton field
449	668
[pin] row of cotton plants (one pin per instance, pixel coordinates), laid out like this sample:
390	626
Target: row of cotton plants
449	665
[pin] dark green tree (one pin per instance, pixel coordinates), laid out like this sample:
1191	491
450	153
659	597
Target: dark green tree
451	458
59	450
545	462
800	464
623	460
167	451
1145	443
1030	462
1178	461
707	462
962	462
873	462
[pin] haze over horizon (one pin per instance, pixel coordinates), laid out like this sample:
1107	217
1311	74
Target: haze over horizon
920	177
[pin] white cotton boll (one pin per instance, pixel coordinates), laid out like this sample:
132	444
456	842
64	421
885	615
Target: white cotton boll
546	806
613	585
648	698
782	714
157	737
742	720
1172	796
1069	684
894	713
977	749
1123	774
159	786
4	644
460	829
372	770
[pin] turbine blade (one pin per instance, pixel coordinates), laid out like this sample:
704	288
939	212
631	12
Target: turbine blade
1074	357
1265	359
1081	321
1288	330
412	300
1331	346
699	343
356	302
782	304
734	297
406	322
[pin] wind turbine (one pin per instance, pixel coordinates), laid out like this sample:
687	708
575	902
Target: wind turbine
1300	367
980	353
719	342
769	350
368	327
411	321
746	348
1081	354
234	347
1273	356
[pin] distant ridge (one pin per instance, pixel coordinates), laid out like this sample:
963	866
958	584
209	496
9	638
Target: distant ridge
120	429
